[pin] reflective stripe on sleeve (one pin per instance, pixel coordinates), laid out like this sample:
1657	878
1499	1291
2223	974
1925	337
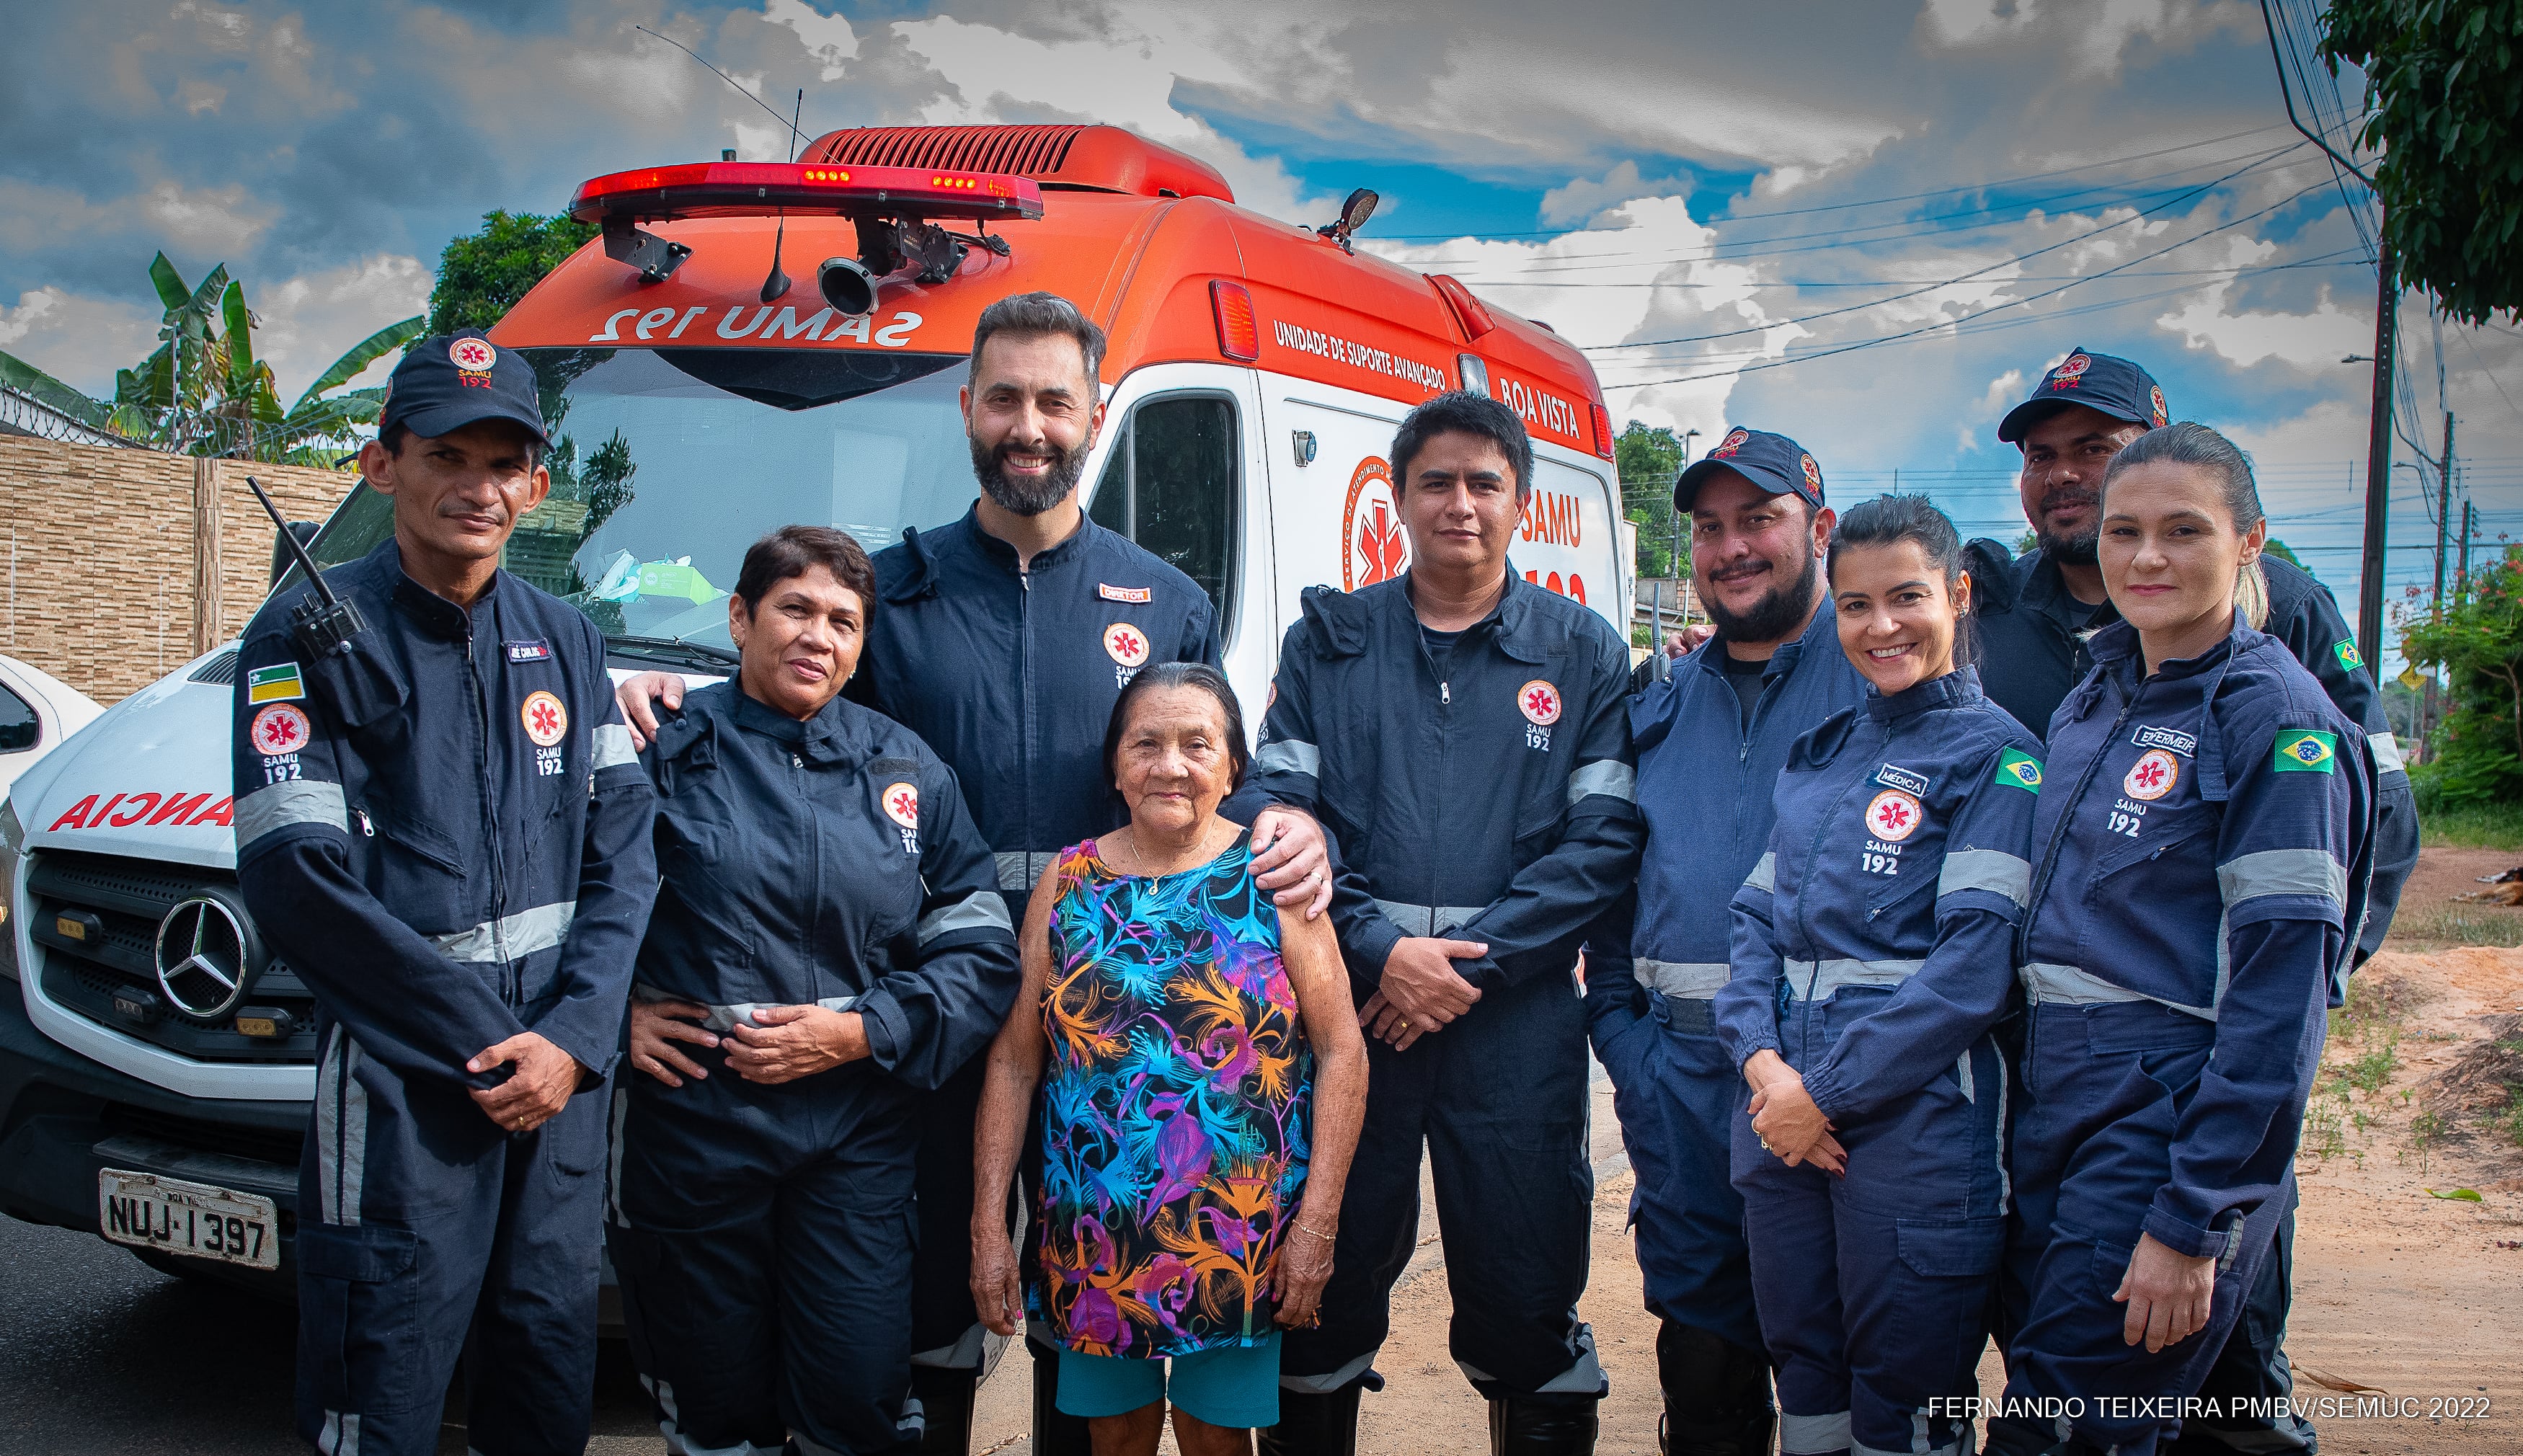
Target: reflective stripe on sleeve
2387	754
510	937
1290	756
1020	869
1682	980
1606	776
1991	869
1427	920
2067	985
298	801
1820	980
1764	875
613	746
2282	872
979	909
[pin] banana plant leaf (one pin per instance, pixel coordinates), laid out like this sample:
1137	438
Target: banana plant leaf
44	388
367	351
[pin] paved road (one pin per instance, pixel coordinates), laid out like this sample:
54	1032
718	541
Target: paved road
99	1352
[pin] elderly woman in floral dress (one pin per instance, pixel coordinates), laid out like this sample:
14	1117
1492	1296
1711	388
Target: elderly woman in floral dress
1206	1082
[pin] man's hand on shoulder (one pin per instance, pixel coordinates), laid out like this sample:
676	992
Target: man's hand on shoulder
640	696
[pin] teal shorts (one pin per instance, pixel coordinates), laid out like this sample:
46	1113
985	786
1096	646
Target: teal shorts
1235	1386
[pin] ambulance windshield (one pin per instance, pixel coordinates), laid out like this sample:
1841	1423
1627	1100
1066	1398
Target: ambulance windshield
668	463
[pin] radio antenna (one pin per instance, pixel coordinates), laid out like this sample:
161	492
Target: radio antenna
794	136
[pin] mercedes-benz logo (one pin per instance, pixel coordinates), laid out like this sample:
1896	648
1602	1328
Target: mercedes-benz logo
201	957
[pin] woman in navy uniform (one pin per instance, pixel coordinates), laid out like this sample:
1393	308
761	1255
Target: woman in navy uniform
1873	951
2204	851
830	939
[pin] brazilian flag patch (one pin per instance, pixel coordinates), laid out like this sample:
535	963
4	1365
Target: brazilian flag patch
2303	751
2349	657
2019	771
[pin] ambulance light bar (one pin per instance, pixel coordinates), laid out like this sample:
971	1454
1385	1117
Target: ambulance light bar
748	189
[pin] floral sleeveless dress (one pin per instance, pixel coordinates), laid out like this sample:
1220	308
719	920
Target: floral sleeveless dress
1174	1109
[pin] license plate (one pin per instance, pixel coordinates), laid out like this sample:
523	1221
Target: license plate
147	1211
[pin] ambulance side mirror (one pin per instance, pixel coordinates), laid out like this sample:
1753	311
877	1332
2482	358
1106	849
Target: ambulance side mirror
281	560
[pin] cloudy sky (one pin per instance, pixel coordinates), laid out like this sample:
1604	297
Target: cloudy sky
1870	225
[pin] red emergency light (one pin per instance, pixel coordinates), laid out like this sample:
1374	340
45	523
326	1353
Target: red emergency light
754	189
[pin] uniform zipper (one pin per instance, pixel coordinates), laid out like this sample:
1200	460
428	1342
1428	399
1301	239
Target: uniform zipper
511	983
1444	735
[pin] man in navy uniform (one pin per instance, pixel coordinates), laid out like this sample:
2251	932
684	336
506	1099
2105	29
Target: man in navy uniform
1460	732
441	828
1712	739
2034	615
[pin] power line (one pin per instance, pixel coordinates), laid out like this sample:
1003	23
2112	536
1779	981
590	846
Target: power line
1943	324
1558	232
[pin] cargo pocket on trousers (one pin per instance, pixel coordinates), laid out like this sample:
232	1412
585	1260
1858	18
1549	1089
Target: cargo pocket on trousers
359	1315
1946	1266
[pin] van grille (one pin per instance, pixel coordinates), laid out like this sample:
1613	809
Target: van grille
120	901
1029	150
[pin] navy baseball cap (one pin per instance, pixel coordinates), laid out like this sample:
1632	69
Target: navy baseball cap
452	380
1772	462
2097	381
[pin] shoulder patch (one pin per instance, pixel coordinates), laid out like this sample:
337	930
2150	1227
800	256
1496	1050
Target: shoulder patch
2305	751
2018	769
277	684
2349	657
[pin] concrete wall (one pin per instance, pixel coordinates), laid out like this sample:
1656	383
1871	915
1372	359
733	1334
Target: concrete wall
122	565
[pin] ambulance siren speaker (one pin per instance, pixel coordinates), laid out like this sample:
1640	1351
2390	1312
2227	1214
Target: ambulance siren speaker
846	285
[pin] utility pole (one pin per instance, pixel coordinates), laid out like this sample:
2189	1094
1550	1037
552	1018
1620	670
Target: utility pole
2443	510
2469	525
2378	460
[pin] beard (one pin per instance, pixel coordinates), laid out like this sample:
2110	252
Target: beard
1028	497
1781	610
2083	549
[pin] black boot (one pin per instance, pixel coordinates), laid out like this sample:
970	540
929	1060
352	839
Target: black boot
1056	1432
1544	1425
947	1404
1314	1424
1716	1394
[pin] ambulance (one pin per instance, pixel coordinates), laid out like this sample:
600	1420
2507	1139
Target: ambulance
748	344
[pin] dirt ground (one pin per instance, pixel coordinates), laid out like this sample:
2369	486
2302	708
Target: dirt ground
2414	1298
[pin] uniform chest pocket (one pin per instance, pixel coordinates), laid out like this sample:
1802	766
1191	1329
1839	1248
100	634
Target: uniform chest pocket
415	869
2136	834
705	924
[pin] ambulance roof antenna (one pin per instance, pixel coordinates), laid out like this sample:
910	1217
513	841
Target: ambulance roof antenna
778	283
325	624
794	136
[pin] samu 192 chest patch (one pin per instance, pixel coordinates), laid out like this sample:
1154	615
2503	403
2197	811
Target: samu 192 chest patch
1539	702
901	801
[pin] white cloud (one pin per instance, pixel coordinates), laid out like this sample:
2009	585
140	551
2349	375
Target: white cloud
308	321
2303	340
1582	197
77	338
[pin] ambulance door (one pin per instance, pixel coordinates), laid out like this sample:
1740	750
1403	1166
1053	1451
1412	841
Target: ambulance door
1182	476
1567	541
1337	519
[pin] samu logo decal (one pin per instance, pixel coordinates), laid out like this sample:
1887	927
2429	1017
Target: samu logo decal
1373	547
2153	775
1894	816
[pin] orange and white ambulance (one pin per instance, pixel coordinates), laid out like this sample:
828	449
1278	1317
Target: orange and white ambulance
1256	373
